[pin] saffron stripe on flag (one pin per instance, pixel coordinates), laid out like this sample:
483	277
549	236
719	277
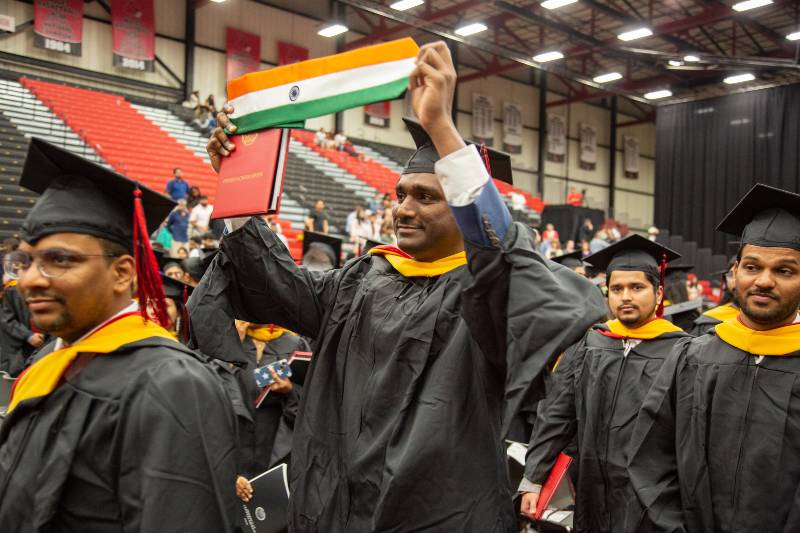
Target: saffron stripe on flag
369	55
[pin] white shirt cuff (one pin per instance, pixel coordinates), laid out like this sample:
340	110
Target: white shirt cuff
527	486
462	175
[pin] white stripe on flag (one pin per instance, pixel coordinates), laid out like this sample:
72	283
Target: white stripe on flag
343	82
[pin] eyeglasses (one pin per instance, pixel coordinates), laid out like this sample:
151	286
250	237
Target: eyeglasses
52	263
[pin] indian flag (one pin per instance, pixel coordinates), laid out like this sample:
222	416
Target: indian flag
290	94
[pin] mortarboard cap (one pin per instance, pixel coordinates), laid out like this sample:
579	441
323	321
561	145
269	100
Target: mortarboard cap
79	196
570	260
682	268
766	216
426	156
369	244
633	253
176	289
332	246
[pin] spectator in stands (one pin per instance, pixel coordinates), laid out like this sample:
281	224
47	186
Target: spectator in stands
275	226
177	188
549	233
574	198
652	233
163	237
387	232
586	233
318	218
585	249
569	247
182	253
330	142
351	217
599	242
193	197
375	203
363	227
209	240
555	248
200	219
195	246
9	245
319	137
178	226
173	270
339	140
351	150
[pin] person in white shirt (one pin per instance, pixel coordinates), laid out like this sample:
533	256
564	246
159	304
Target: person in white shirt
200	218
339	140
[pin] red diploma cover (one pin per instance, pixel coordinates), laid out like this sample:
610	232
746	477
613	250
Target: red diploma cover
251	178
557	475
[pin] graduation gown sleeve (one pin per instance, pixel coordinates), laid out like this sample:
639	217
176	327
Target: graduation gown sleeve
652	464
254	278
522	309
177	470
557	422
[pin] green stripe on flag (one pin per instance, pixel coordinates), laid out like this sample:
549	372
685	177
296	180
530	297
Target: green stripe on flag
297	112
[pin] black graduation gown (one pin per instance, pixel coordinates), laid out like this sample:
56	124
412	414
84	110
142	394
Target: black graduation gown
265	432
15	330
140	440
703	324
596	395
402	416
717	444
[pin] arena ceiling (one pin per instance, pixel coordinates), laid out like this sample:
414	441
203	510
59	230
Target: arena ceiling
724	41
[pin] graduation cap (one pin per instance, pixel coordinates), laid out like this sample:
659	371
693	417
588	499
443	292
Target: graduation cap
570	260
369	245
635	253
194	267
426	156
79	196
330	246
679	269
766	216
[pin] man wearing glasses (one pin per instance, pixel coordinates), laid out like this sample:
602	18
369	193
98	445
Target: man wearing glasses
119	427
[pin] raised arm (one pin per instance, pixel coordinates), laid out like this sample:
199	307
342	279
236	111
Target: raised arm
254	278
522	309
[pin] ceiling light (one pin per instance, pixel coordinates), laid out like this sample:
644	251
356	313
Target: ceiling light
638	33
332	30
675	63
218	1
793	36
548	56
691	59
750	4
655	95
739	78
605	78
471	29
555	4
402	5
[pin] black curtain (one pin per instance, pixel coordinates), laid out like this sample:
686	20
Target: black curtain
709	153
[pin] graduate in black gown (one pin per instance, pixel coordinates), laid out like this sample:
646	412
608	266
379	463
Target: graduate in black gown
17	340
717	443
727	308
422	353
599	385
119	427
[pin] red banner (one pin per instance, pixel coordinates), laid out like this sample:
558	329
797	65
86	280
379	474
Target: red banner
58	25
378	114
289	53
134	34
243	53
